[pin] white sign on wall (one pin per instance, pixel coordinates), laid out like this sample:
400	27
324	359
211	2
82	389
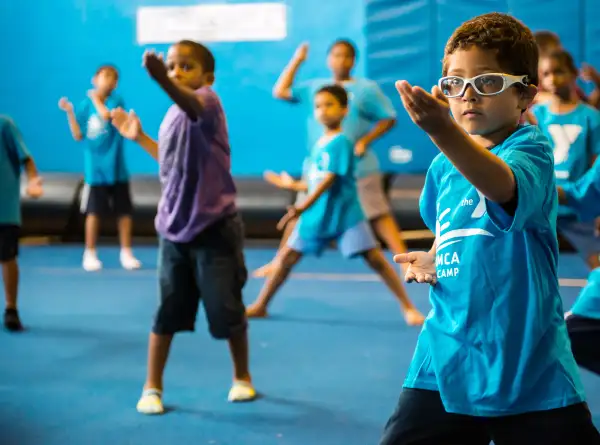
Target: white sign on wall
212	23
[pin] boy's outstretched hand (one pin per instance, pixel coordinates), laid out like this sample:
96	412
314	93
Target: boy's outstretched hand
421	267
431	112
128	124
155	65
65	105
34	187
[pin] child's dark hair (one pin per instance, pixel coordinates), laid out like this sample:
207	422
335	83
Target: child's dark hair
348	44
202	54
514	44
336	91
546	40
108	67
564	58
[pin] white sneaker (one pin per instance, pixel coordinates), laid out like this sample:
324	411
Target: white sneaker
241	392
129	262
150	402
91	263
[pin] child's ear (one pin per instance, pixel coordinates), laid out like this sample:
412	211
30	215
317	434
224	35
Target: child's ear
526	96
210	78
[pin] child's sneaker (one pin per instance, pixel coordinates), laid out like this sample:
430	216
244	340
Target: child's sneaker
151	402
91	263
129	262
12	321
241	392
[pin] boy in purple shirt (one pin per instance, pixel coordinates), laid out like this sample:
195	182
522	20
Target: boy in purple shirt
200	233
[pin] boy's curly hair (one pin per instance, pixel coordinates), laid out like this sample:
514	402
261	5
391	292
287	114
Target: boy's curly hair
514	44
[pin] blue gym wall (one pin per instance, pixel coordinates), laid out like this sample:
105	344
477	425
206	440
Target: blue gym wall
51	49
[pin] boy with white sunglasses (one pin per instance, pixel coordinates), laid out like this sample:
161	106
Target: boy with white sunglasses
493	360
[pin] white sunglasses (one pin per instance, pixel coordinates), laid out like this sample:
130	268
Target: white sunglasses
488	84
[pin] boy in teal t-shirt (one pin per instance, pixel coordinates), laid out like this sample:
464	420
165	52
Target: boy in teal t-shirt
14	156
493	361
331	210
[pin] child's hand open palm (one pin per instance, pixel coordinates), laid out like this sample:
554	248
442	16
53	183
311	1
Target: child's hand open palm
421	267
128	124
429	111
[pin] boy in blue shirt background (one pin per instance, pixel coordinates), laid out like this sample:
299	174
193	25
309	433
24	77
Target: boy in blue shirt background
370	115
331	210
13	157
573	128
106	188
583	320
493	360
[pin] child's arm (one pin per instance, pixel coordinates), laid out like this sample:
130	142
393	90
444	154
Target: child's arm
296	211
184	97
100	106
590	74
283	87
67	107
381	110
130	127
487	172
583	195
17	146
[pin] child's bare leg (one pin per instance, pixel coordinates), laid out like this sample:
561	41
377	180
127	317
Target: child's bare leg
238	347
158	353
378	263
388	230
10	275
268	268
90	257
128	260
285	260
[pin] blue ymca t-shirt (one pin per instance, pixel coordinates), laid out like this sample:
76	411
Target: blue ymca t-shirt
583	197
338	208
367	105
495	342
588	301
13	153
575	138
104	156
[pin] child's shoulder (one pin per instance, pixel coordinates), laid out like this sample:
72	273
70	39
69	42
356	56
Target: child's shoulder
589	111
527	139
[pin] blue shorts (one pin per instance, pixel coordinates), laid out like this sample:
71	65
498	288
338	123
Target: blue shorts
580	235
352	242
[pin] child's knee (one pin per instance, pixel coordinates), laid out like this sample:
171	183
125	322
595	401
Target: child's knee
287	258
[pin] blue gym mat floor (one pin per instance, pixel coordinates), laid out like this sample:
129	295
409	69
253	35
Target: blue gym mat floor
329	363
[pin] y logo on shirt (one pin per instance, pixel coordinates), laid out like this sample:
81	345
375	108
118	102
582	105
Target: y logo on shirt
448	262
95	127
563	136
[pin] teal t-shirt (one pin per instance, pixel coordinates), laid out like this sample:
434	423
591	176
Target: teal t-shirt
495	342
13	153
367	105
575	139
338	208
104	156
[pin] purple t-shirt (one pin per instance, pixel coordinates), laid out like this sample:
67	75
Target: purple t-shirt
195	170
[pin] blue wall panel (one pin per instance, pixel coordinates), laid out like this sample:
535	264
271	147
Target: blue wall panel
399	38
54	48
58	50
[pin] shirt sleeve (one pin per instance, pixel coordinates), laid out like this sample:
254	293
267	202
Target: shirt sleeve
302	92
12	139
594	140
533	169
377	105
82	115
429	195
338	156
583	195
